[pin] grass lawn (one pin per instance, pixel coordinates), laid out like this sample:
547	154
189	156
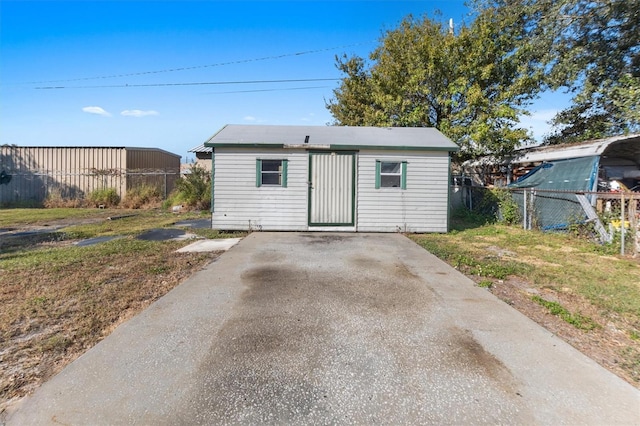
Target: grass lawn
59	299
16	217
579	289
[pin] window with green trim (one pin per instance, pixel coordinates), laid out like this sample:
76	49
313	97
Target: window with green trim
271	172
391	174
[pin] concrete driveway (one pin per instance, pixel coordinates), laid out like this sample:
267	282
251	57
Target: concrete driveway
319	328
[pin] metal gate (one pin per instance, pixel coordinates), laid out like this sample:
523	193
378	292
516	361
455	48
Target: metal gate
331	188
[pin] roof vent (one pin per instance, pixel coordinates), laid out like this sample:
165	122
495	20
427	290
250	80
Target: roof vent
306	139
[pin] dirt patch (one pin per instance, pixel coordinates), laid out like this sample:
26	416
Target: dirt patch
607	344
54	313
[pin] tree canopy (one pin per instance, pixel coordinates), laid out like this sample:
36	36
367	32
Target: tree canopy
474	85
594	52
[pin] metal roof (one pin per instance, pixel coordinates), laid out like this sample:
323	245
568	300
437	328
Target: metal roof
329	137
126	148
618	146
201	148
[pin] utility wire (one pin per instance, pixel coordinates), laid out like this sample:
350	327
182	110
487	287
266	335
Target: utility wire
270	90
219	64
204	83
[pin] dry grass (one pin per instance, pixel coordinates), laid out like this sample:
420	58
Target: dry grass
59	299
571	275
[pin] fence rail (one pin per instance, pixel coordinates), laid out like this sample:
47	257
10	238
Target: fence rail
612	217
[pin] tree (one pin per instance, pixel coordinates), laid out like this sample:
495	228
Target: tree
594	52
472	86
598	57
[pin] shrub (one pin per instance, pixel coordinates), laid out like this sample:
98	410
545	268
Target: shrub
107	197
143	196
507	207
55	199
193	190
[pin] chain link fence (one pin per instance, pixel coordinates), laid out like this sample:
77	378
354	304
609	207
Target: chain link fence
607	217
33	187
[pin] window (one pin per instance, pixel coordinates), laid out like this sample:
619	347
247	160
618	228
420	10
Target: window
271	173
391	174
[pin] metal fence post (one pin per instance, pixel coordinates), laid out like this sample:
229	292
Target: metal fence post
622	223
165	184
634	227
524	208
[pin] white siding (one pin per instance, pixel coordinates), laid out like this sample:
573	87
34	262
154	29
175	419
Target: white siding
422	207
240	205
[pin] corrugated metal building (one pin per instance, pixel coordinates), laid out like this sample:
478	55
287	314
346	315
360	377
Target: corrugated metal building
299	178
30	174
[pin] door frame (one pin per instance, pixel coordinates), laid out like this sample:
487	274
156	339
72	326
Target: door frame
354	181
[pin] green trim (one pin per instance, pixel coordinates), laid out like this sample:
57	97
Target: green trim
331	224
285	167
243	145
258	172
403	178
309	191
353	188
448	194
394	148
213	180
331	148
354	183
283	173
403	172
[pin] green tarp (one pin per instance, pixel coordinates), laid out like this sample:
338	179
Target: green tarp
556	210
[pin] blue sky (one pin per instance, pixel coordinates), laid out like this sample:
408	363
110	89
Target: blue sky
124	66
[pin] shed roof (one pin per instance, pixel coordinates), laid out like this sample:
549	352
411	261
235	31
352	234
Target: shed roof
627	146
201	148
330	137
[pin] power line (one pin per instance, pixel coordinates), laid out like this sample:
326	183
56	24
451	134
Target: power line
270	90
202	83
219	64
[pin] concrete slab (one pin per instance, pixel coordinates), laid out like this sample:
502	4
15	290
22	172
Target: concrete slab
164	234
210	245
319	328
195	223
96	240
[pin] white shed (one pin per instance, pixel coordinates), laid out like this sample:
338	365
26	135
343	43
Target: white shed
330	178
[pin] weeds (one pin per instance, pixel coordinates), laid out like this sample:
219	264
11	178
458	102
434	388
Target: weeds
107	197
192	190
470	263
143	196
577	320
543	259
508	209
23	216
59	300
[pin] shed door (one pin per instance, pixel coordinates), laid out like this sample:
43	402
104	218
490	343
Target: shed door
331	188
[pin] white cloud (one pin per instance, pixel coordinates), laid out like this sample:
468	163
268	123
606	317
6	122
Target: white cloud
96	110
138	113
249	118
